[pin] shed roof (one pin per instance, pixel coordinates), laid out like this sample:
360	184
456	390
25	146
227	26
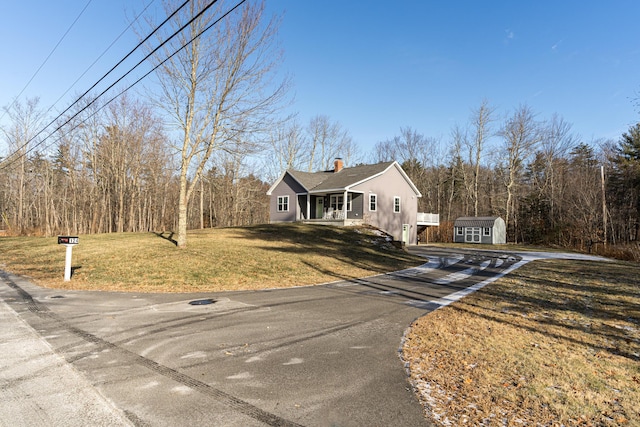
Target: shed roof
475	221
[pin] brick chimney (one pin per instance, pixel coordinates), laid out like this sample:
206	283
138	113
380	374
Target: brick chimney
338	164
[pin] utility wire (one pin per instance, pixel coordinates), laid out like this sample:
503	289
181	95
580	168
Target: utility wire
102	54
46	59
173	54
149	72
137	81
16	152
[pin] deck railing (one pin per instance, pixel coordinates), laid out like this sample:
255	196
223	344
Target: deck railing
428	218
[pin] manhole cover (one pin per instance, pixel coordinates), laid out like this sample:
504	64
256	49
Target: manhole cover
202	302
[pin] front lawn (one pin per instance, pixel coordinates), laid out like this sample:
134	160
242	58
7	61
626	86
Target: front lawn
258	257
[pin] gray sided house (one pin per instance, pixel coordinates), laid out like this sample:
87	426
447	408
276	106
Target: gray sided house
480	229
381	195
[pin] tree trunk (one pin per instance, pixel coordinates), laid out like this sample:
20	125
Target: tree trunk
181	240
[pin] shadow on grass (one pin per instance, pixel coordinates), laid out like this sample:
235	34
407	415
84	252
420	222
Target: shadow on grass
168	238
358	248
615	350
602	302
575	312
74	269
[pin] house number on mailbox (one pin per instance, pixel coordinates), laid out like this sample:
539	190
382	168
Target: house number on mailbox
68	240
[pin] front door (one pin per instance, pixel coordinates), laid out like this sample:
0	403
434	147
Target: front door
319	207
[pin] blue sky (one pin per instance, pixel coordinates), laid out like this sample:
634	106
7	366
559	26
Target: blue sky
377	66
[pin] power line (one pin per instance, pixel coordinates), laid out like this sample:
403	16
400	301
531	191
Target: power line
102	54
87	69
137	81
16	152
177	51
47	58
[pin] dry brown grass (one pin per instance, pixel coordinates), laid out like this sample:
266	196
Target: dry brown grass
259	257
554	343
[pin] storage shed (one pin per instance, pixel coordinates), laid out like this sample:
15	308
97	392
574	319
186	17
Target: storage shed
480	229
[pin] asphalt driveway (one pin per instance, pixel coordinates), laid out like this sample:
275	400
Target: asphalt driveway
324	355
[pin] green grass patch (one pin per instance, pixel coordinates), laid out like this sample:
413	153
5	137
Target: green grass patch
258	257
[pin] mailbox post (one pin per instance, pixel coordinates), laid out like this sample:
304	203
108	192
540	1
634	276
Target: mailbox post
69	242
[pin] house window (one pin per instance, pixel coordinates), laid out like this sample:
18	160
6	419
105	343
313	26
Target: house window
283	203
487	231
373	202
460	231
348	202
335	202
396	204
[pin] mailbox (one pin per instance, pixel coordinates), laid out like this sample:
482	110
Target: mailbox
68	240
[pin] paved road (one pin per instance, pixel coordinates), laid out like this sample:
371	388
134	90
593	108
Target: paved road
322	355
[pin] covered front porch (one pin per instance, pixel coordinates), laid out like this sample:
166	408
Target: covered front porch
343	208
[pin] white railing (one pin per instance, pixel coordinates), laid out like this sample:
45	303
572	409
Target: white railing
428	218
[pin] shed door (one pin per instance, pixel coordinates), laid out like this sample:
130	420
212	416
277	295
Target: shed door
472	235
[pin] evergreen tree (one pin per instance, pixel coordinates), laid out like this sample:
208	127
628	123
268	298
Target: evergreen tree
624	184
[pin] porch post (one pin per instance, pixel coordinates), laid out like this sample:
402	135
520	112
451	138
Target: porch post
308	206
344	205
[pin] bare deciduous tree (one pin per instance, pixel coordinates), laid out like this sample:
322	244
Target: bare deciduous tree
414	152
481	120
219	90
21	135
287	149
326	140
521	134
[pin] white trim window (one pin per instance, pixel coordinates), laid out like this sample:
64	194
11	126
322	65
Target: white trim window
283	203
373	202
349	202
396	204
460	231
335	202
487	231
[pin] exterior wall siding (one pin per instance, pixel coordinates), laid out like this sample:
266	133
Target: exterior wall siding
287	187
356	206
387	186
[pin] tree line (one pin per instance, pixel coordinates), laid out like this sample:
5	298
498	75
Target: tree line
550	186
117	173
203	147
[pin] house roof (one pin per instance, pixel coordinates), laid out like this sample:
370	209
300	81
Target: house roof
349	177
318	182
309	180
475	221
